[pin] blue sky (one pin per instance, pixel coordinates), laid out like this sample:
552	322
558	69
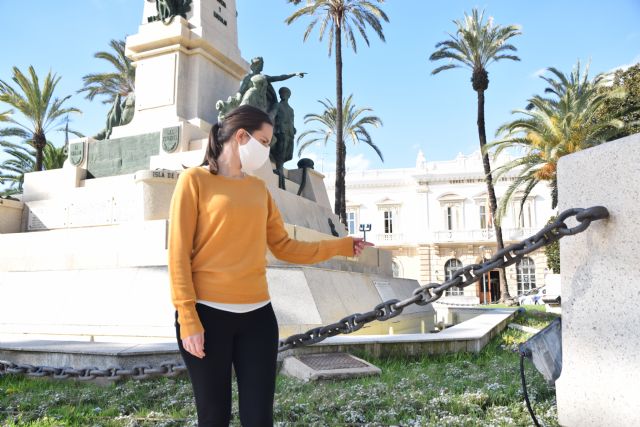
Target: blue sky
434	113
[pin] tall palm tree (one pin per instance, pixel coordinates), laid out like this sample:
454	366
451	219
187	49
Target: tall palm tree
475	45
121	81
341	18
353	121
42	112
568	121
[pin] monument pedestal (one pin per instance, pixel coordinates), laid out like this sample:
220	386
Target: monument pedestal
91	255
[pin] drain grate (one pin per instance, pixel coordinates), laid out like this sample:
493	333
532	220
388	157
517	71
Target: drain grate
328	361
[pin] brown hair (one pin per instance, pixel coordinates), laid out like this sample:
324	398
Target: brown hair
243	117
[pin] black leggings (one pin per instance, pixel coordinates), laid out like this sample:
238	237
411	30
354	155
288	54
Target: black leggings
249	341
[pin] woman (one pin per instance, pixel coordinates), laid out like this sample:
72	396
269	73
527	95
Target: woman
221	222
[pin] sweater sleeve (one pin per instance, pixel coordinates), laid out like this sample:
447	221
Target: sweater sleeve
183	215
297	251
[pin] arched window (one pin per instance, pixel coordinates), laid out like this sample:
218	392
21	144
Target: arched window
449	267
526	274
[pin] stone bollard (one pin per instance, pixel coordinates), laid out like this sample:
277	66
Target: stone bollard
600	380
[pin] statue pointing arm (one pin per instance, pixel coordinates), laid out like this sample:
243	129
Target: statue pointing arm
284	77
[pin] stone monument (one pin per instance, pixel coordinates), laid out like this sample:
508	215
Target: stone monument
83	253
600	380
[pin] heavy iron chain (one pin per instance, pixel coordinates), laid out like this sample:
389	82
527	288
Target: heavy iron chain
138	372
422	295
462	277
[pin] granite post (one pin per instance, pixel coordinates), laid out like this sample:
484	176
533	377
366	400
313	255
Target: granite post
600	380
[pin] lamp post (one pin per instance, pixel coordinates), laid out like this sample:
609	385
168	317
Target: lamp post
486	276
364	228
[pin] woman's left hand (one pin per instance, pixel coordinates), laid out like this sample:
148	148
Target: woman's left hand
359	244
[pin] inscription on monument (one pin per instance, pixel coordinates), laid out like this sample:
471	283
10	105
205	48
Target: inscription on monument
170	138
47	214
121	155
86	212
219	18
384	290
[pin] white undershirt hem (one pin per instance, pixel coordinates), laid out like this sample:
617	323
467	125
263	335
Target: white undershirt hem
235	308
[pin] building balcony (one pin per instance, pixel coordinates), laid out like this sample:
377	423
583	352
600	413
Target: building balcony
389	238
481	235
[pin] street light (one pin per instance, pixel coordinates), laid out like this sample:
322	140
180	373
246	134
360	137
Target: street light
486	276
364	228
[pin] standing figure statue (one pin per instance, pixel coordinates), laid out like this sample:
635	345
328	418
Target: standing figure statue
284	132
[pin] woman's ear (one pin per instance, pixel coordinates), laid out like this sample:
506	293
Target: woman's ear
240	136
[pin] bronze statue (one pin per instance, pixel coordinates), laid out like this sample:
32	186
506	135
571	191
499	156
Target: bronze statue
257	65
284	131
121	113
113	119
128	110
169	9
256	90
256	95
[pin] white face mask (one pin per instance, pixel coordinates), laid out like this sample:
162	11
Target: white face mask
253	154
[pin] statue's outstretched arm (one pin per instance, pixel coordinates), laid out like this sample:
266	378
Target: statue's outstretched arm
283	77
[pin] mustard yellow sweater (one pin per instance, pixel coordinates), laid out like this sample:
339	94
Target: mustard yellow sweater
219	230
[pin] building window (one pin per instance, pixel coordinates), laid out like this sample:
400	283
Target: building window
526	274
452	206
388	222
524	220
452	216
449	267
483	216
352	221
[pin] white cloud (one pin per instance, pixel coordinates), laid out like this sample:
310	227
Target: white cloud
625	66
356	163
538	73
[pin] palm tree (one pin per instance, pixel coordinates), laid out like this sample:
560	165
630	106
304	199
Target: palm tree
475	45
569	121
121	81
353	122
341	18
41	111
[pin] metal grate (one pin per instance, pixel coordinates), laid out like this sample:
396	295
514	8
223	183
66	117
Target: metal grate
329	361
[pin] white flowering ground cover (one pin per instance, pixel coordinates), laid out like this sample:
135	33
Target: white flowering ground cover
452	390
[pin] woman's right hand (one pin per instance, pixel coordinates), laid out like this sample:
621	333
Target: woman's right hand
194	344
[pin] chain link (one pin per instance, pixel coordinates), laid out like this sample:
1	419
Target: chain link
422	295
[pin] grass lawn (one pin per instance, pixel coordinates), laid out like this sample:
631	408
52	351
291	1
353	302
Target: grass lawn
452	390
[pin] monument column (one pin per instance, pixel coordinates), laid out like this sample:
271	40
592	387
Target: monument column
183	66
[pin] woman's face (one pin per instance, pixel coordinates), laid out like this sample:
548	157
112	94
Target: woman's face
263	135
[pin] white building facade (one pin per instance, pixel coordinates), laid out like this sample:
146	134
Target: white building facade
435	218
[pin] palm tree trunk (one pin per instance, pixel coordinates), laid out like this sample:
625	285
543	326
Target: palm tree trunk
39	142
339	205
504	288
